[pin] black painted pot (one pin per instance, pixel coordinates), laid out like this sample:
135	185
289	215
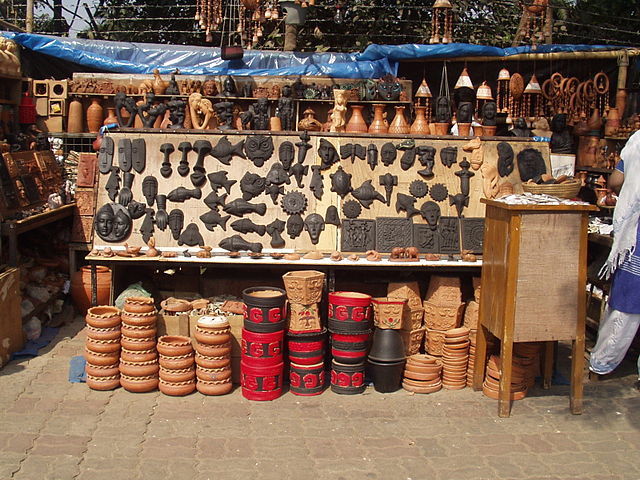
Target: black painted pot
265	309
386	376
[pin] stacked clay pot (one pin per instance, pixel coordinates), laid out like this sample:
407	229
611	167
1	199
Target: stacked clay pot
422	374
102	348
386	359
213	355
455	358
139	358
491	384
262	363
177	370
305	336
350	326
443	308
471	314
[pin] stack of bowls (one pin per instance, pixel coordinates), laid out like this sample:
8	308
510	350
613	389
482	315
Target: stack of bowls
177	371
102	351
386	360
455	357
213	355
491	385
422	374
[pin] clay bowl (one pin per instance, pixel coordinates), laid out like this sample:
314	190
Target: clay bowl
145	331
411	387
213	374
174	345
103	346
455	340
456	346
138	344
425	377
213	350
177	376
103	317
454	376
219	324
423	369
275	256
101	359
422	359
138	356
112	333
139	305
103	383
494	394
212	362
175	305
454	386
139	319
177	389
177	363
101	370
214	388
212	337
456	332
455	368
139	384
139	369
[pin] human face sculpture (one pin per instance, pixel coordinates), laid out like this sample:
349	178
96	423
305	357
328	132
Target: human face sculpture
505	159
314	224
465	112
443	110
389	90
209	88
104	221
430	211
531	164
176	222
286	154
121	225
259	148
295	224
388	154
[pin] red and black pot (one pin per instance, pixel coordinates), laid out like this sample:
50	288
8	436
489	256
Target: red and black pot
261	382
347	379
265	309
350	349
349	312
262	348
307	380
306	348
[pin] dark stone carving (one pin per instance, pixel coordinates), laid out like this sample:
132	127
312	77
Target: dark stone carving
372	156
439	192
314	224
358	235
449	235
303	146
150	189
427	158
295	224
460	200
129	104
465	175
388	181
183	168
505	159
224	111
408	159
274	191
341	182
177	108
294	203
366	194
219	180
146	229
191	236
352	150
426	239
388	153
277	175
105	155
202	148
393	232
472	234
162	217
449	156
260	114
418	188
520	128
317	182
430	211
244	225
126	195
443	110
531	165
148	112
239	207
113	184
328	154
235	243
351	209
225	151
113	223
182	194
332	217
405	203
275	229
298	171
176	222
285	153
229	87
136	209
213	200
251	185
258	148
124	154
285	109
465	112
172	88
167	149
561	139
138	154
213	218
489	112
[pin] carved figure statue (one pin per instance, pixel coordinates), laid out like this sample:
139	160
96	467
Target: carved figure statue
285	108
200	110
338	117
561	139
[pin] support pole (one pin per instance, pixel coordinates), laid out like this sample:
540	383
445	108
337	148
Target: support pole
29	16
290	37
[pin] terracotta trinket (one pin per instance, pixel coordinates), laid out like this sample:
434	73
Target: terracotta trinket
358	235
317	182
405	203
328	154
372	156
505	159
294	203
113	223
286	154
136	209
393	232
213	200
341	182
426	157
184	148
251	185
465	175
298	171
113	184
351	151
162	217
388	154
351	209
295	225
146	229
314	224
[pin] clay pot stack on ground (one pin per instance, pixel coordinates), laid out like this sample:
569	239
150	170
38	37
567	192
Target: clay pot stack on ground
455	358
306	335
386	360
139	358
262	364
527	356
491	385
443	309
102	351
411	326
213	355
177	366
422	374
471	314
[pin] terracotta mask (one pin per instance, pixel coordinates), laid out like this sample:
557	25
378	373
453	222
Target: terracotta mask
113	223
328	153
295	224
104	221
209	88
150	189
430	211
389	90
449	156
259	148
314	224
286	154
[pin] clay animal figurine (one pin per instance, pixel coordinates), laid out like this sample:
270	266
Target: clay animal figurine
459	200
167	149
341	182
251	185
113	184
176	222
219	180
317	182
124	154
236	243
275	229
314	224
303	146
295	224
191	236
388	181
183	168
212	218
285	154
372	156
366	194
351	151
162	217
202	148
150	189
332	217
126	195
182	194
213	200
225	151
277	175
313	255
373	256
299	171
328	154
405	203
336	256
388	154
274	191
152	251
245	225
258	148
239	207
426	157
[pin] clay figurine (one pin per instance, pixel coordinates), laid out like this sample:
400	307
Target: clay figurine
351	151
129	104
167	149
146	229
317	182
460	201
314	224
465	175
505	159
224	150
388	181
274	191
531	165
191	236
389	88
229	87
245	225
224	112
439	192
275	229
373	256
113	223
136	209
313	255
299	171
176	222
561	139
366	194
105	155
202	148
148	112
388	154
113	184
239	207
295	224
520	129
219	180
405	203
489	112
236	243
285	154
162	217
260	114
294	203
303	146
183	168
448	156
426	157
341	182
258	148
372	156
182	194
443	110
464	113
430	211
172	87
126	195
213	218
332	217
251	185
336	256
309	122
277	175
285	110
408	159
351	209
338	116
138	154
124	154
328	154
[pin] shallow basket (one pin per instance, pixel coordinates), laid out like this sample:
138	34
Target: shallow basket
568	189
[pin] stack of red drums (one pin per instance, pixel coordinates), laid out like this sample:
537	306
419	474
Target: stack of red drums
177	372
350	326
213	355
102	350
262	365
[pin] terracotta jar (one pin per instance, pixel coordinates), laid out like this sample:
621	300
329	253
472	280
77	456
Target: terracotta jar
139	305
177	363
464	129
212	362
102	370
489	131
174	345
103	317
102	359
103	383
214	388
103	346
213	374
177	375
111	117
356	122
112	333
138	356
139	369
613	122
213	350
399	123
138	344
81	287
75	118
95	115
139	319
387	312
420	124
144	331
211	337
139	384
304	286
379	123
177	389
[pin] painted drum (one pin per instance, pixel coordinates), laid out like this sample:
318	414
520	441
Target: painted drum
261	383
349	312
264	309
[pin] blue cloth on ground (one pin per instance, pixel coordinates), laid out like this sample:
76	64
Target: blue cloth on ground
32	346
76	369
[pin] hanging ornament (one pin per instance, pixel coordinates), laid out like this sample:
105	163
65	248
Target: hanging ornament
442	16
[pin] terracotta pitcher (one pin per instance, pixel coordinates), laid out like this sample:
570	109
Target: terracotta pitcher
95	116
111	116
399	123
75	120
379	123
356	122
613	122
420	124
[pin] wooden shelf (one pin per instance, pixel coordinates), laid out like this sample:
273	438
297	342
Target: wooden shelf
16	227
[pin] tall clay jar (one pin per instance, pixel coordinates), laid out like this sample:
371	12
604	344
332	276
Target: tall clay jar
420	124
94	116
75	120
379	123
81	287
399	123
111	116
356	122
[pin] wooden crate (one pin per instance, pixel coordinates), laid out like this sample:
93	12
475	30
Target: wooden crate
11	336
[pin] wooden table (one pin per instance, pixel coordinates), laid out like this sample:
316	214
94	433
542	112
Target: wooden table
533	286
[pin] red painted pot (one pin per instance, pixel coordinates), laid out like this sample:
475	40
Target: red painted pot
350	349
347	379
262	348
306	348
265	309
261	383
306	380
349	312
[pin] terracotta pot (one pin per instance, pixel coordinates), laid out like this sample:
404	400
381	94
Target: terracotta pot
139	305
399	123
304	286
177	375
214	388
139	319
387	312
139	384
478	131
103	346
103	317
306	348
442	128
464	129
213	350
261	382
177	389
356	122
175	305
138	356
111	117
75	118
265	309
177	363
102	370
304	318
174	345
489	131
81	287
112	333
103	383
613	123
347	379
213	374
212	362
379	123
144	331
349	312
138	344
95	116
420	125
139	369
307	380
101	359
212	337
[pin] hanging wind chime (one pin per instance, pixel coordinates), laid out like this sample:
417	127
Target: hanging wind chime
534	16
424	92
533	99
503	94
483	95
442	16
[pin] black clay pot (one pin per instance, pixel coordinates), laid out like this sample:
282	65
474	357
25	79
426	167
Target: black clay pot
265	310
387	346
386	376
347	379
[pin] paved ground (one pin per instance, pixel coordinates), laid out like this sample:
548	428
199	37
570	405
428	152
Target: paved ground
52	429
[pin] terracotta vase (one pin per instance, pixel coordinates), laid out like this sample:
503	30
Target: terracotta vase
399	123
613	122
387	312
379	123
75	119
81	287
442	128
95	116
478	130
111	117
356	122
420	124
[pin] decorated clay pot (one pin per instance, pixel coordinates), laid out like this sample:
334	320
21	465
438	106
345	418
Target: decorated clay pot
210	337
262	348
102	370
379	123
214	388
213	374
177	375
138	344
399	123
420	125
356	123
489	131
174	345
95	115
304	286
144	331
103	317
304	318
101	359
213	350
307	380
175	305
347	379
261	382
139	384
139	369
138	356
139	319
442	128
387	312
212	362
177	362
111	117
139	305
112	333
103	383
349	312
464	129
265	309
75	117
306	348
103	346
81	287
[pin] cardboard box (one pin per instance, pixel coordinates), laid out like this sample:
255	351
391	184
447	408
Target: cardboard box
173	323
11	336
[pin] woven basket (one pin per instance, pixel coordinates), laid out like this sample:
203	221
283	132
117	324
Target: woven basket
568	189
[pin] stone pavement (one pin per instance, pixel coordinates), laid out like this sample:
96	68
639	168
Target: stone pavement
53	429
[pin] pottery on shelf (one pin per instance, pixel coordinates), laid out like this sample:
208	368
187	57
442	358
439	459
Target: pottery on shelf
304	286
379	123
420	125
95	116
75	118
111	116
489	130
441	128
399	123
356	122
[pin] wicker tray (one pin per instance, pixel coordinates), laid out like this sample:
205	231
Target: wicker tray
568	189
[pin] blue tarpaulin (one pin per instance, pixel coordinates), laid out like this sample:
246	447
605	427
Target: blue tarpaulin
376	61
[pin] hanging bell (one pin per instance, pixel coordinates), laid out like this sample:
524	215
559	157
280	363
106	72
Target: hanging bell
267	14
484	92
275	14
504	74
255	38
